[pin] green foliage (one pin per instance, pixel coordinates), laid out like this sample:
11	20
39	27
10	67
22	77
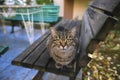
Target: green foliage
44	1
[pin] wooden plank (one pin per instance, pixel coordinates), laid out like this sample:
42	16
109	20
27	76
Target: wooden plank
85	37
101	35
100	23
84	61
31	58
86	34
77	68
24	54
96	20
95	28
78	24
106	28
64	71
109	6
38	76
71	25
92	46
42	61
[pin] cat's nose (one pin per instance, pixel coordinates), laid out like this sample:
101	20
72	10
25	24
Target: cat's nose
63	47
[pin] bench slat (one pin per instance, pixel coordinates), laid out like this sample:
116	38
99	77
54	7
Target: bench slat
96	20
93	22
30	59
65	71
42	62
86	33
100	23
24	54
28	51
110	6
106	28
96	26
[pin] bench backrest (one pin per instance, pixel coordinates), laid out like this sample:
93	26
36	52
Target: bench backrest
97	21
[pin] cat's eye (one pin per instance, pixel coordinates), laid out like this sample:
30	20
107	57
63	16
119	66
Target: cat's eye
69	36
56	37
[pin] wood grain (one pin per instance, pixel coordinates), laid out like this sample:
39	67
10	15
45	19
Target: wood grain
111	7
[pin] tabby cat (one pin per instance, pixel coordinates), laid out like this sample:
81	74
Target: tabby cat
62	45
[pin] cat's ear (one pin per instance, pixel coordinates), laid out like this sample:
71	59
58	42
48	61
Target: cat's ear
73	31
53	31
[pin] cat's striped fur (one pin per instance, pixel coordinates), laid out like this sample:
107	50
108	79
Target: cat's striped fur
62	45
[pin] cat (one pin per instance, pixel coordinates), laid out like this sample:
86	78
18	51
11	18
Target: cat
62	45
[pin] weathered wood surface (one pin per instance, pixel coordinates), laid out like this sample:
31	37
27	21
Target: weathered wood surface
38	76
95	27
30	49
99	23
36	56
112	7
24	54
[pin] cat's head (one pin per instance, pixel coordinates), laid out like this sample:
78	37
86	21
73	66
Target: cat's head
63	38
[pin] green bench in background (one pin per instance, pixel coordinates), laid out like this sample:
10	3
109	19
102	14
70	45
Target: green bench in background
3	49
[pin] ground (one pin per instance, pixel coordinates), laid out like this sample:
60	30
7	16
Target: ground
105	63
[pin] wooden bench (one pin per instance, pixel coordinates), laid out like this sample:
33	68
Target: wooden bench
97	21
37	56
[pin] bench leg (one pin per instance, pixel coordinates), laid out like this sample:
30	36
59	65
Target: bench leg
38	76
12	29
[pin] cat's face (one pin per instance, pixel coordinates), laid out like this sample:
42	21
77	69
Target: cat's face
63	39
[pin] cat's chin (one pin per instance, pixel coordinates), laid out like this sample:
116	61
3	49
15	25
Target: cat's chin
63	50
